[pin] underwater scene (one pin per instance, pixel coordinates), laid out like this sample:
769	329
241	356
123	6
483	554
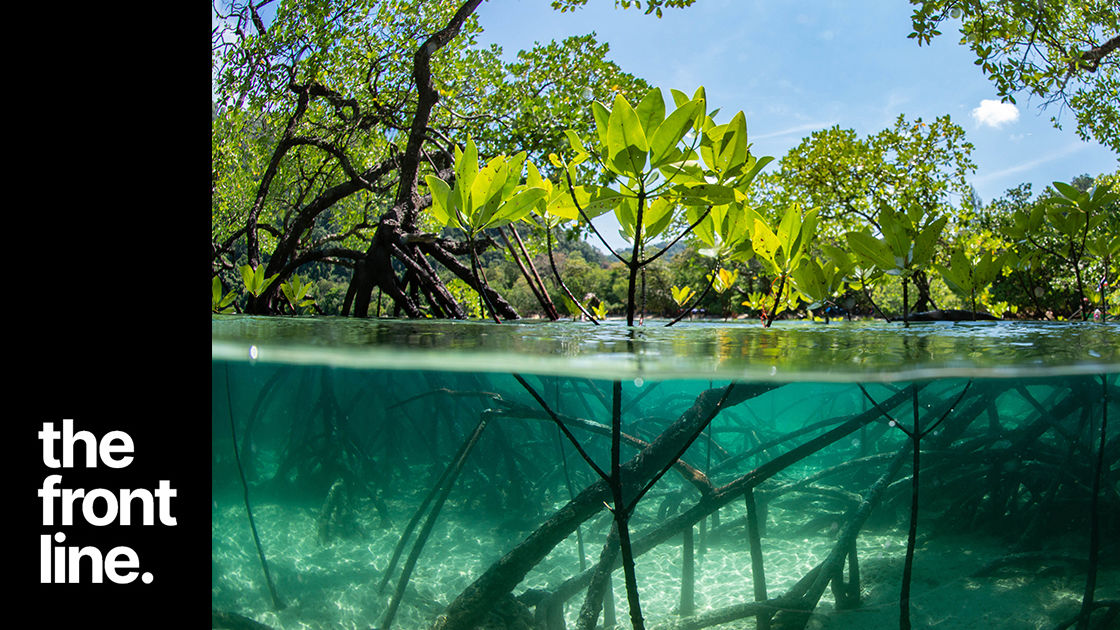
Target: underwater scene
456	475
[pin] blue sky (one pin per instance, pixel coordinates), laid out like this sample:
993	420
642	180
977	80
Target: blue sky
796	67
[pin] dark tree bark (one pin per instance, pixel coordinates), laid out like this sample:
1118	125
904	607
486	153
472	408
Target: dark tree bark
396	242
401	218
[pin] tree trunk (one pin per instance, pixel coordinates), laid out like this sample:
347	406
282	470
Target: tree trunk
401	218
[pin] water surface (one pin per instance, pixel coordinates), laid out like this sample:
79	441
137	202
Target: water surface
838	351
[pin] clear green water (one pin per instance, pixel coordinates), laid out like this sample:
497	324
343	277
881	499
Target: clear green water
378	410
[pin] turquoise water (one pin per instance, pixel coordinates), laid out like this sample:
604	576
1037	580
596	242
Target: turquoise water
344	428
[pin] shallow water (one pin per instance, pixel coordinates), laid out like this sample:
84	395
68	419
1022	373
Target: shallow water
800	415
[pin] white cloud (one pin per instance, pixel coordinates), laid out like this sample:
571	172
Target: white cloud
995	114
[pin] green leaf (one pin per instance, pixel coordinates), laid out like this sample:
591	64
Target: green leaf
602	116
704	194
684	172
988	269
466	170
810	280
766	245
926	241
681	295
516	208
574	141
1067	191
657	216
595	200
958	275
627	215
485	194
732	149
670	132
220	303
248	278
255	282
871	249
895	234
442	200
513	173
626	141
744	181
651	112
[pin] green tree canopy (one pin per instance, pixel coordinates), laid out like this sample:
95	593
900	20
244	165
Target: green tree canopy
328	115
1063	52
852	179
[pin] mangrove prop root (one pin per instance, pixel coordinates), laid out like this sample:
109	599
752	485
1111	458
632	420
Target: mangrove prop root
758	574
795	617
331	510
502	576
422	536
1094	516
1113	606
688	575
415	520
277	603
915	434
259	405
599	585
622	509
731	491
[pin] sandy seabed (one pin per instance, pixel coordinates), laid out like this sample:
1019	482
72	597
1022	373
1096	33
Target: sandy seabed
335	585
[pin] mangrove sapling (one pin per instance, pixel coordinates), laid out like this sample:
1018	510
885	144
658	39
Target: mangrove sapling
277	603
906	248
692	300
637	149
483	198
968	276
915	435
